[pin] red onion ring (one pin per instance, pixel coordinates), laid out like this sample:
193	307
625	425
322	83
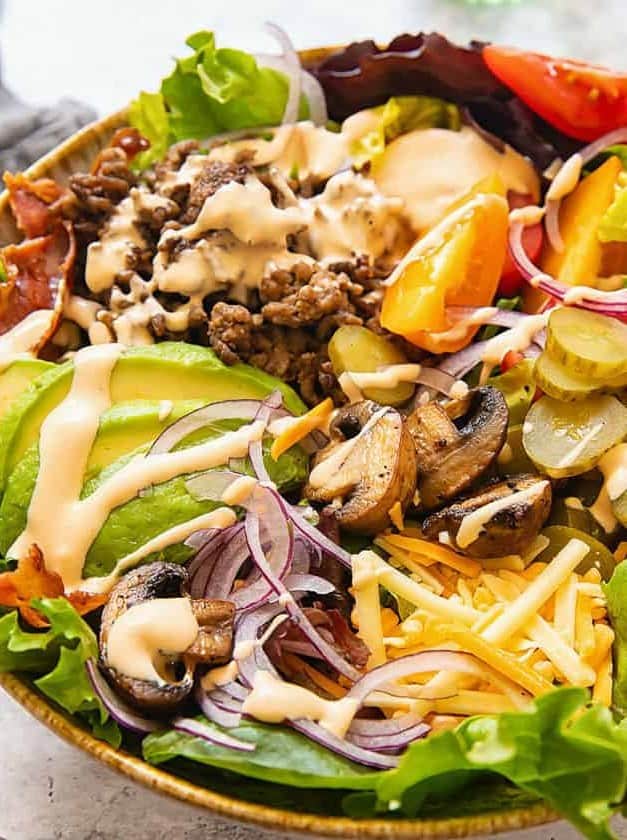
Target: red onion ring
359	755
419	663
610	303
393	742
120	711
327	651
198	729
293	70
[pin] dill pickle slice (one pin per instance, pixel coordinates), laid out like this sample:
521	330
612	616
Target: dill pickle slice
587	343
558	381
358	349
599	556
568	438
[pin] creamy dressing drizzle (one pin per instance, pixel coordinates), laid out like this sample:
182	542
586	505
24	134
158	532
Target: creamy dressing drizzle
302	148
223	675
84	313
529	215
273	700
570	457
474	523
354	383
220	518
566	178
61	523
243	650
517	338
433	168
323	472
147	633
351	217
20	341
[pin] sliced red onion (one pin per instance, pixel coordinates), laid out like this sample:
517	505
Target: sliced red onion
606	303
612	138
298	517
436	379
120	711
309	584
417	663
201	730
388	726
293	71
232	557
392	742
215	712
552	225
326	650
248	628
461	363
493	316
201	417
314	93
255	448
200	538
342	747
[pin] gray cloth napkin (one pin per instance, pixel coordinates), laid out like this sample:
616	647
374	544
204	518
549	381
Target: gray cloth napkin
26	133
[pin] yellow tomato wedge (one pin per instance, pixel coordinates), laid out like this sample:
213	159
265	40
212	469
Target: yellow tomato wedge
579	264
301	427
458	263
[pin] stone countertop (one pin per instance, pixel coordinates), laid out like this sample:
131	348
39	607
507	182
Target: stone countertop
102	53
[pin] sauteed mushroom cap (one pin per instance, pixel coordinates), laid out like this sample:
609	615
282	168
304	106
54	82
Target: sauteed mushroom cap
368	467
212	645
456	443
510	529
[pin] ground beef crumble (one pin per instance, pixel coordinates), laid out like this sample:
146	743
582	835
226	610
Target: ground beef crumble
93	197
213	176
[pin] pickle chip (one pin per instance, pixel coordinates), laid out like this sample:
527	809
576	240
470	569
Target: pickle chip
568	438
587	343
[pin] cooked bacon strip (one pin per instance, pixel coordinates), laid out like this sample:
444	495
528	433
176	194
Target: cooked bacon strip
39	275
129	140
31	580
33	203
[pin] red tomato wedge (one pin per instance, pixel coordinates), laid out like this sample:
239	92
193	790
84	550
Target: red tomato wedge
582	100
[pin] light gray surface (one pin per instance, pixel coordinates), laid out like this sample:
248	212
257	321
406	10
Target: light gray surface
102	53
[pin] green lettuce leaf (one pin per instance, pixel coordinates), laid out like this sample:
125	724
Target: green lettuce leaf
281	755
399	115
613	224
564	750
208	92
59	654
616	594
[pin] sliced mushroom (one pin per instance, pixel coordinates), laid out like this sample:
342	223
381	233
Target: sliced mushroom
369	465
452	455
212	645
501	519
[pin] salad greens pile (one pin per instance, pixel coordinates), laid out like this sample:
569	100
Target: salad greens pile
58	655
563	750
209	92
399	115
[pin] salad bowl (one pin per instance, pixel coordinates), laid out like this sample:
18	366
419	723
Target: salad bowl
503	810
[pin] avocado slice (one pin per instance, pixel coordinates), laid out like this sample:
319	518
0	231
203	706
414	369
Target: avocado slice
161	507
172	370
17	377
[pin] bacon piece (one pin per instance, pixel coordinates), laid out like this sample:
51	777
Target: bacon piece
39	275
33	203
31	580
